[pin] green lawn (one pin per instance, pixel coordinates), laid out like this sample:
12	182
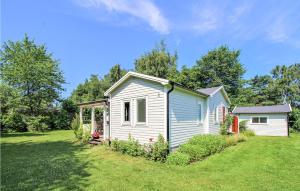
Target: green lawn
54	161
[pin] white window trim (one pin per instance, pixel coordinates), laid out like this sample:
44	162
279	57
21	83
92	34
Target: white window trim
200	105
136	110
260	123
216	112
123	122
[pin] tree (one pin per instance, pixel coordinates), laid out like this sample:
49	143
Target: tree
220	66
158	62
116	73
35	80
285	86
94	87
31	70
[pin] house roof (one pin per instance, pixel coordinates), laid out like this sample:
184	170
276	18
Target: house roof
201	92
211	91
264	109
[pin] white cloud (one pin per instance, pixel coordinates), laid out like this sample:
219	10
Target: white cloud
278	31
239	11
145	10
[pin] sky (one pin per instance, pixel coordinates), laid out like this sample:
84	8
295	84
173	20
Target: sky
90	36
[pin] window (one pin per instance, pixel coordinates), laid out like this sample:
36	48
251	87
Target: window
126	111
200	113
216	114
259	119
141	110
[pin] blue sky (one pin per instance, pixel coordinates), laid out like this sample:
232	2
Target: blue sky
89	36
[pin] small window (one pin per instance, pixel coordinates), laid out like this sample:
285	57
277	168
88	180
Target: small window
200	113
126	111
141	110
259	120
216	114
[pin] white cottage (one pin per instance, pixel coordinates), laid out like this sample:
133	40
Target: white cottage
146	106
265	120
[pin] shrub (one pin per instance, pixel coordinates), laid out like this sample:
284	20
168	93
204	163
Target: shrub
241	138
248	133
178	158
130	147
214	143
157	151
36	123
195	152
202	146
226	125
294	119
243	125
77	127
13	121
231	141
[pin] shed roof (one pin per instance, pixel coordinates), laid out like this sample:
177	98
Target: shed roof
264	109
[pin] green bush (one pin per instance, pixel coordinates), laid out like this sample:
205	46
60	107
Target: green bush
202	146
195	152
77	127
243	125
248	133
241	138
226	125
231	141
214	143
178	158
36	123
294	119
130	147
13	121
157	151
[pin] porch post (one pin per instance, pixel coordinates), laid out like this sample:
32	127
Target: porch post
104	123
93	119
80	115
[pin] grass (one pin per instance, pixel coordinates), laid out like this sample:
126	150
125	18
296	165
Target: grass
54	161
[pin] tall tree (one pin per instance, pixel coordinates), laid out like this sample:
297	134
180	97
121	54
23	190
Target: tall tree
285	86
220	66
33	71
158	62
94	87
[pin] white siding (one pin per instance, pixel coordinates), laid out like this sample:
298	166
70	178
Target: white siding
276	126
130	90
217	100
184	111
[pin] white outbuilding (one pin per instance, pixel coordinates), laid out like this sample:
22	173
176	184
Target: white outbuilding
265	120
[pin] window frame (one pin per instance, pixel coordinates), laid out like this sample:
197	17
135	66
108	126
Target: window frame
126	123
259	123
216	112
200	113
146	111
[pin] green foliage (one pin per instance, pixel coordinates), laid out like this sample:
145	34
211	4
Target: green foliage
158	151
130	147
158	62
94	87
62	116
178	158
243	125
224	126
294	119
202	146
36	123
31	82
248	133
242	138
77	127
220	66
230	140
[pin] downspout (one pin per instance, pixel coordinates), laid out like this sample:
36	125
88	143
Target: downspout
107	102
168	114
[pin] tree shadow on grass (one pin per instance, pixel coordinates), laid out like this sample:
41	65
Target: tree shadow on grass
42	166
22	134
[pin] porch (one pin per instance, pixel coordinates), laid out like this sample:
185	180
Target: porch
94	116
